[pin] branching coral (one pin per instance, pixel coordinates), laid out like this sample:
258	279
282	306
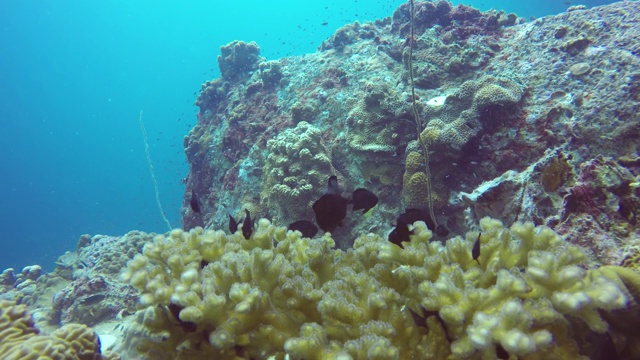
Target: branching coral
271	294
518	294
208	294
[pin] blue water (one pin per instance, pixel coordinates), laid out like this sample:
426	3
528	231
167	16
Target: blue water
74	76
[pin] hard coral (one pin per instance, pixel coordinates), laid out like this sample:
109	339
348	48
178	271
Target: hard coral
278	294
516	296
252	297
238	58
295	172
460	118
21	341
378	122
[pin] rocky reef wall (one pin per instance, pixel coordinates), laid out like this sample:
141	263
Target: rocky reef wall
522	122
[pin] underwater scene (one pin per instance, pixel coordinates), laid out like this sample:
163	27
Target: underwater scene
358	179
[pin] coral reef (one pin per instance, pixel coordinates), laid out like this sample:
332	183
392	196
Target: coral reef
378	123
238	58
494	94
21	340
459	118
552	150
208	294
295	173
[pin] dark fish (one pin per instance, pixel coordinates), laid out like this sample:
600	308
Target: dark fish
442	230
324	23
475	252
247	225
418	319
364	199
400	233
412	215
233	225
421	321
332	185
330	210
307	228
195	204
501	353
187	326
203	263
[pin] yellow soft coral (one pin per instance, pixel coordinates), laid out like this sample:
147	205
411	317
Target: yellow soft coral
20	340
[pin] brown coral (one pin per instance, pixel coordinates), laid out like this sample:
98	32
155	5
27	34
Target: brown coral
21	340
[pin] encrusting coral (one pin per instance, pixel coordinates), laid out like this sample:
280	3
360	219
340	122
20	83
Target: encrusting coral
19	339
206	294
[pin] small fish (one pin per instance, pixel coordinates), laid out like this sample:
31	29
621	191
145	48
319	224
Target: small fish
421	321
195	204
324	23
475	252
307	228
412	215
332	185
331	208
187	326
442	230
364	199
233	225
501	353
247	225
400	233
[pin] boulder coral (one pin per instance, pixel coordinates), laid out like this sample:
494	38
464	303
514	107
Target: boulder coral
378	122
205	294
295	172
238	58
21	340
459	119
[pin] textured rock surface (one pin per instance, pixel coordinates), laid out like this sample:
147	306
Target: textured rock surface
566	84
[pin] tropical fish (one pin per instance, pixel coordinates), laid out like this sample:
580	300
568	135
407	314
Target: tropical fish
331	208
233	225
306	227
364	199
187	326
412	215
409	216
247	225
421	321
195	204
400	233
475	252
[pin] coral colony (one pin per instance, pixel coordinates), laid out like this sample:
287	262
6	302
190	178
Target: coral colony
443	183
